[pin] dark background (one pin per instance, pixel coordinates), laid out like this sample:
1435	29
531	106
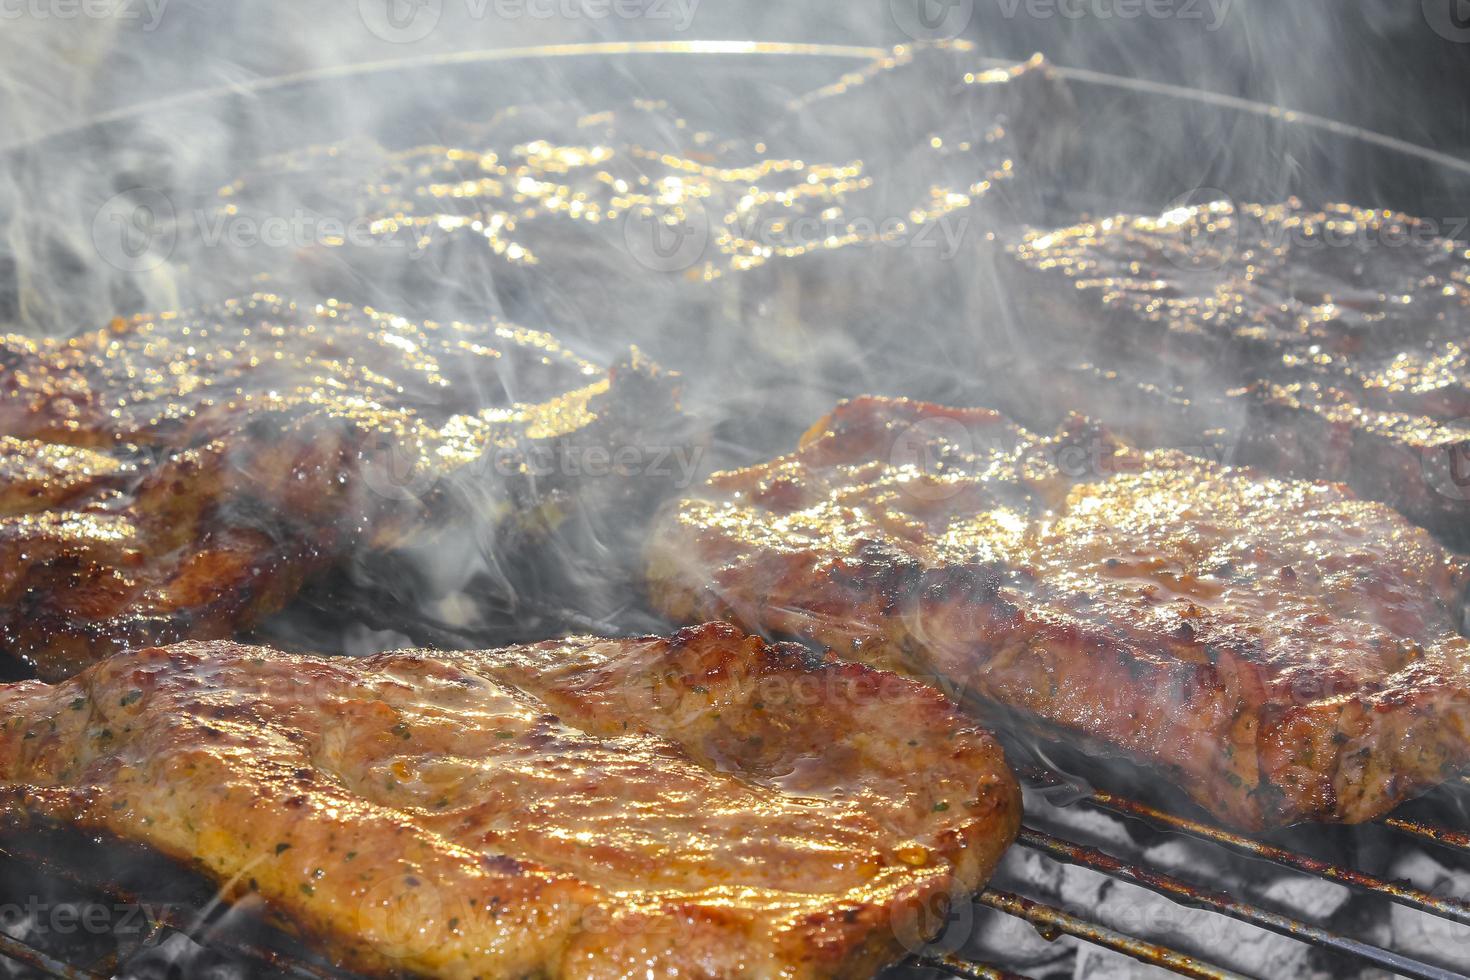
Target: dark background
1375	63
1398	67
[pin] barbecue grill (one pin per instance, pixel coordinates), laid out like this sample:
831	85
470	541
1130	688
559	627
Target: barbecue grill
182	926
1330	891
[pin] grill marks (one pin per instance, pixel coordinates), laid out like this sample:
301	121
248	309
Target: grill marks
1285	650
708	805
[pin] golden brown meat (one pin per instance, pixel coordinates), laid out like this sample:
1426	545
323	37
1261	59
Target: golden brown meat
554	185
1283	650
701	806
816	225
1325	344
181	476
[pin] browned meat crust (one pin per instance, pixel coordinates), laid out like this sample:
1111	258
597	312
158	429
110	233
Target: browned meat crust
1282	649
180	476
551	186
1327	345
705	806
815	226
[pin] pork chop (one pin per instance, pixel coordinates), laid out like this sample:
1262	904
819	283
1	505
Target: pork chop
1323	344
700	806
181	476
1282	649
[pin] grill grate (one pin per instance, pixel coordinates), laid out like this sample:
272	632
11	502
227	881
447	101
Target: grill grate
165	919
42	962
1051	921
284	958
1047	919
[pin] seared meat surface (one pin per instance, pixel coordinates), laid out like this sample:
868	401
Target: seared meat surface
701	806
540	184
1326	345
181	475
783	245
1282	649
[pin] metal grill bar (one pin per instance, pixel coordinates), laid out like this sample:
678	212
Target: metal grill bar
1047	919
1188	894
1055	921
24	953
162	915
1442	836
966	970
1449	908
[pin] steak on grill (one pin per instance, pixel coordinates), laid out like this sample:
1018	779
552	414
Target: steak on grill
551	185
701	806
1322	344
1281	649
180	476
813	227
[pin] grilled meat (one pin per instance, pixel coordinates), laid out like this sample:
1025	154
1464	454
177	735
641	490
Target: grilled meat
553	184
1281	649
808	229
704	806
1325	345
181	476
